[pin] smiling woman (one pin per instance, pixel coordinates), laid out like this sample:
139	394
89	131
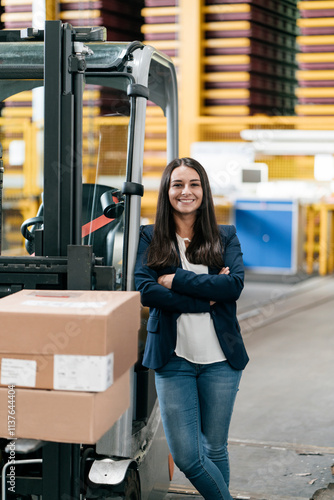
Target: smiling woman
185	179
189	271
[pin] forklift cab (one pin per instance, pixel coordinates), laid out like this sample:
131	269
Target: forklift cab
102	225
92	184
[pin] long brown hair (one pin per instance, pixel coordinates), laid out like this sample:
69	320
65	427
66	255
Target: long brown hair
206	245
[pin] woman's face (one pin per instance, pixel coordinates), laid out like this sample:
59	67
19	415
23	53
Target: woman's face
185	190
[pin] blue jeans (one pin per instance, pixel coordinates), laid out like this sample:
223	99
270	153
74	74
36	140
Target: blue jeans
196	403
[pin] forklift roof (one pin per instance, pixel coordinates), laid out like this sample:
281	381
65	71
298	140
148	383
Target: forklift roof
22	64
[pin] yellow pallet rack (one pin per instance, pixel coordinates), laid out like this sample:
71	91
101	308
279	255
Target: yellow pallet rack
319	245
317	49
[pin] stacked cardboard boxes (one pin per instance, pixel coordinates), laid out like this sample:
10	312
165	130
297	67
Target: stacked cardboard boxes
67	355
316	60
16	14
121	19
161	27
249	59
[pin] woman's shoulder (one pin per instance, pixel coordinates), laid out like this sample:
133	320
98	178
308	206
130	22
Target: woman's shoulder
146	231
227	230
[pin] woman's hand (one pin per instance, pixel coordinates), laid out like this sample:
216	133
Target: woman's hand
224	270
166	280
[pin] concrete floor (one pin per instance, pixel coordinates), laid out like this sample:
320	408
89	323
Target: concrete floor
282	432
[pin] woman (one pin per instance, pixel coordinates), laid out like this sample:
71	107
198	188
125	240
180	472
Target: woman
189	271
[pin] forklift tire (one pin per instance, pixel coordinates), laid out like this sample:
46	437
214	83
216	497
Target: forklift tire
131	485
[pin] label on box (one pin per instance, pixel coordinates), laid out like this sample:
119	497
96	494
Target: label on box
83	373
21	372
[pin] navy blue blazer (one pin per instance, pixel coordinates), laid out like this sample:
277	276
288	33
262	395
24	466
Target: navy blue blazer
191	293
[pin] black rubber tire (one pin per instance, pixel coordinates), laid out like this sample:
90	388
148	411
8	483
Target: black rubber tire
131	486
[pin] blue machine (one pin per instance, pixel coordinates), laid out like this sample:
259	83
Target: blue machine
268	233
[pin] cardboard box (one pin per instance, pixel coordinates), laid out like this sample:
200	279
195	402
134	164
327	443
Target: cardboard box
47	327
65	416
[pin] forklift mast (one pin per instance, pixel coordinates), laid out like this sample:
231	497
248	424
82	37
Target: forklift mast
63	255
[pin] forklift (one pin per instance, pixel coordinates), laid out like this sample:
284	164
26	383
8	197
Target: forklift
84	237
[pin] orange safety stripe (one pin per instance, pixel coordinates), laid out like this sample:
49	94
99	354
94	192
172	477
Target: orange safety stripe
94	225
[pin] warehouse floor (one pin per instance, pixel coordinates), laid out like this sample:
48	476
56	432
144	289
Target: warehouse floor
282	432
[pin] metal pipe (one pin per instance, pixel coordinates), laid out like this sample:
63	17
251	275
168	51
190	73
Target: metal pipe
77	164
15	462
129	161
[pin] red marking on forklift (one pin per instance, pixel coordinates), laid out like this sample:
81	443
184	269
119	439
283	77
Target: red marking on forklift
94	225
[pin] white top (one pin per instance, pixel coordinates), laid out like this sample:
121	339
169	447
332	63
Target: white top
196	336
